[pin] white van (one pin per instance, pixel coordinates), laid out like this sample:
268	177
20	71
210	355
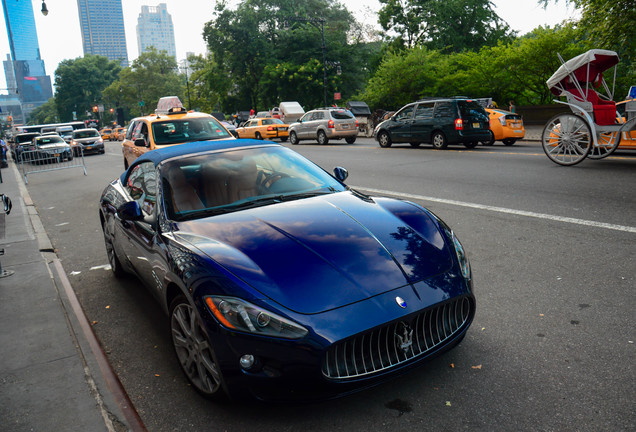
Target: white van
65	132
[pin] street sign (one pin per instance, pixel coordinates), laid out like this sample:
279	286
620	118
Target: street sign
336	96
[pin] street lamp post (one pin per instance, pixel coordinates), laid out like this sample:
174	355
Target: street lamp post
185	66
319	23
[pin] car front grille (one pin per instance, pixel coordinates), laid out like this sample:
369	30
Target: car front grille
397	342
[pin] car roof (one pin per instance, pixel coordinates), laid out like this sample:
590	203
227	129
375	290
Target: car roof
190	148
163	117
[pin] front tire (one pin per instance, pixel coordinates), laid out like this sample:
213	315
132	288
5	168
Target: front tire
115	264
194	351
322	138
384	139
293	138
439	141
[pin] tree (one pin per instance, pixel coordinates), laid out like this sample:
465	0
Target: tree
151	76
445	25
79	84
268	51
44	114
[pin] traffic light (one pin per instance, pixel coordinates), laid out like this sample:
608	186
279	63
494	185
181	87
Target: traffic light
112	110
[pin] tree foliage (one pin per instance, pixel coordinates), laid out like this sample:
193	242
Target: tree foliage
265	52
151	76
516	70
44	114
79	84
444	25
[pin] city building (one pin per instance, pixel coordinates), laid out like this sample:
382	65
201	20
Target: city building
102	25
25	73
155	29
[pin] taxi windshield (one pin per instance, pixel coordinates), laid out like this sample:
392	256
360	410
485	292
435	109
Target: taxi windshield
188	129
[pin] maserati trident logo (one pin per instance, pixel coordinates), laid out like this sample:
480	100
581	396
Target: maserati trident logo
404	336
400	301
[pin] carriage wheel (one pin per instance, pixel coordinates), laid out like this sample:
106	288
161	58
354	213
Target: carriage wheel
566	139
607	143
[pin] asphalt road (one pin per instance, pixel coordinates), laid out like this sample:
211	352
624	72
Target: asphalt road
553	251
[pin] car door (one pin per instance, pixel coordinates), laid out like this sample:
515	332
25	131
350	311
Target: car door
303	124
140	237
401	122
422	126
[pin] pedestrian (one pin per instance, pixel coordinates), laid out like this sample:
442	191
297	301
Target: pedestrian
252	112
511	106
4	150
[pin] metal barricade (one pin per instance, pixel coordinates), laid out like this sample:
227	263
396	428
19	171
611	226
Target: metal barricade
43	160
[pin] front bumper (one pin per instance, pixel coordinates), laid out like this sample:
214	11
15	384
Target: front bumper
291	370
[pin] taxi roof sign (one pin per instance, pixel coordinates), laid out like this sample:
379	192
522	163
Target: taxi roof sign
169	104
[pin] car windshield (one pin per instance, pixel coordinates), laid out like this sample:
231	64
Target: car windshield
49	140
25	138
208	184
188	129
471	110
85	134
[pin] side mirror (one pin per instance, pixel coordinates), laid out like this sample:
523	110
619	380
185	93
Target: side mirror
140	142
130	211
340	173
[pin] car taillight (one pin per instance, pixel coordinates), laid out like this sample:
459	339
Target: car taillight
331	124
270	128
459	124
356	122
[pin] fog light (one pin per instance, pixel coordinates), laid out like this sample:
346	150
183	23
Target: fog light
247	361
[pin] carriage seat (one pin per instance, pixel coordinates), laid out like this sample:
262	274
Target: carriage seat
604	110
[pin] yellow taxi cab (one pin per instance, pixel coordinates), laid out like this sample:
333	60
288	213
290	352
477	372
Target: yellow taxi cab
505	126
264	128
170	125
118	134
105	133
628	139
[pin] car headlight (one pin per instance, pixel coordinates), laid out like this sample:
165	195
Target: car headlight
464	264
240	315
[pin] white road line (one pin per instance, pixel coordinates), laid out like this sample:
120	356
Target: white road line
556	218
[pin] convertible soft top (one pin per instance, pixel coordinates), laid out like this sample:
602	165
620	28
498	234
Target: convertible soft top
159	155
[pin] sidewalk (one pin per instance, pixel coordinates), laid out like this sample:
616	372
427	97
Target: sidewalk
53	374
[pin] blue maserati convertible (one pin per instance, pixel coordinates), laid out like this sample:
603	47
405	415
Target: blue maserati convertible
279	281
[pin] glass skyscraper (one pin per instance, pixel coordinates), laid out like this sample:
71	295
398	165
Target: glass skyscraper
154	28
102	24
24	69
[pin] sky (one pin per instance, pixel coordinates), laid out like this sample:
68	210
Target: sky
60	37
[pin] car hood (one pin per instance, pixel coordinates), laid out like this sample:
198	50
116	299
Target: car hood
321	253
60	146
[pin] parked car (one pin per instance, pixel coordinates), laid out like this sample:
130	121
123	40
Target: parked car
21	142
86	141
279	281
264	128
324	124
171	124
505	126
50	148
439	121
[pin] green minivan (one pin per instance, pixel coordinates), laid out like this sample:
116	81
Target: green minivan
437	121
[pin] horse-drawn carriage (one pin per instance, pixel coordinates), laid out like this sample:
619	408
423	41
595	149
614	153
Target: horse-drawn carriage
593	129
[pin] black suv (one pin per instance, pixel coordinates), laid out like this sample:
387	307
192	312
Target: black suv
439	121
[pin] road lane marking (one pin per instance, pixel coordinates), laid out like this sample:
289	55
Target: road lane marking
544	216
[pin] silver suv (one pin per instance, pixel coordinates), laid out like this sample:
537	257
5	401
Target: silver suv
323	124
